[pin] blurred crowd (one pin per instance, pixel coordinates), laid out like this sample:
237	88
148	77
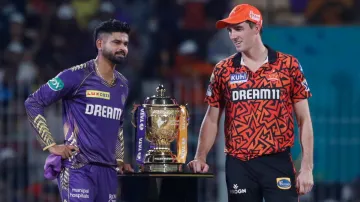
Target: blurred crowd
171	40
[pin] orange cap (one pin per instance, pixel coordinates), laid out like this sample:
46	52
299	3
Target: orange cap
239	14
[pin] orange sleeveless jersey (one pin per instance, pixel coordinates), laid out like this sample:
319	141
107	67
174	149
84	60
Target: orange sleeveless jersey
258	105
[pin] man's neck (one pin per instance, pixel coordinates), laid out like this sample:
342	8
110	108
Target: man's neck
256	53
105	67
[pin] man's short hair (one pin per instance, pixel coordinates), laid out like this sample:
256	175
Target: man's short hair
111	26
252	25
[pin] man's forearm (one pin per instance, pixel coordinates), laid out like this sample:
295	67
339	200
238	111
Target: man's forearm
120	144
307	144
35	113
208	132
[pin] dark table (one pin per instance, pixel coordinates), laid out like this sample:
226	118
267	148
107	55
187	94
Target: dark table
175	187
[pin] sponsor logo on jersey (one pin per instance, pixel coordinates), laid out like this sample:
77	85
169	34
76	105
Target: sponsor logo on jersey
98	94
55	84
283	183
79	193
255	94
238	78
305	84
103	111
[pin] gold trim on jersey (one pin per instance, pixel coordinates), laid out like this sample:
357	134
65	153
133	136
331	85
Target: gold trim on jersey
78	67
43	131
120	150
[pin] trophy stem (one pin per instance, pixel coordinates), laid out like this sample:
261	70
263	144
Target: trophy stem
160	153
162	145
161	159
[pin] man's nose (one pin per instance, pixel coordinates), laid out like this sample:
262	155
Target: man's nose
121	48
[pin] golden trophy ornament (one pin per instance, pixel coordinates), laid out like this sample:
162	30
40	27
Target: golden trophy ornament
159	121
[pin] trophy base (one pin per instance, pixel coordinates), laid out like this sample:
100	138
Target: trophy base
162	167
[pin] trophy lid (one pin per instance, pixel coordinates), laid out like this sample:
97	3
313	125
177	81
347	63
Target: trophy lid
160	98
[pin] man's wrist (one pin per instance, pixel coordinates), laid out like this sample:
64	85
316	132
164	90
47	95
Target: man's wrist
200	158
306	167
49	146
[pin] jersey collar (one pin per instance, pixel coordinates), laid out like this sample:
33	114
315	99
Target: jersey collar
242	62
272	57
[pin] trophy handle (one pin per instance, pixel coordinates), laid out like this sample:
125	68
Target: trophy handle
133	114
133	120
187	113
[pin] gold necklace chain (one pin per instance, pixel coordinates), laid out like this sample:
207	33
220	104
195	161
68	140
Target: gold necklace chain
98	72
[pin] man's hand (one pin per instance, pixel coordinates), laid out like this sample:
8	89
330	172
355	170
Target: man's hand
65	151
304	181
198	166
125	168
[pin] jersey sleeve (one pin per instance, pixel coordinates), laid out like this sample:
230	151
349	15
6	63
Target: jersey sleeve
120	146
120	143
300	89
61	86
214	93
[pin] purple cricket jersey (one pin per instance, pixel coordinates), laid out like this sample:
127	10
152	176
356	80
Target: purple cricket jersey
92	114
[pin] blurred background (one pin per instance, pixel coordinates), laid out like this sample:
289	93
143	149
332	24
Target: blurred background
174	42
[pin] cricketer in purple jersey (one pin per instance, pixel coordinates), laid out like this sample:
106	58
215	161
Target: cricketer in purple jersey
93	113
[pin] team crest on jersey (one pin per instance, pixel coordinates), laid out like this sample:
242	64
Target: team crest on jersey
98	94
238	78
273	77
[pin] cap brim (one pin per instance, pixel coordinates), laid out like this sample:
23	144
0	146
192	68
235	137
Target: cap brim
227	21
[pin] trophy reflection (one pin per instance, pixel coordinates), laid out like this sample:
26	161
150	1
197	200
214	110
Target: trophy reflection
159	122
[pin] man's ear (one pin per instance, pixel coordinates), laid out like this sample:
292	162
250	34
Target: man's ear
258	29
99	44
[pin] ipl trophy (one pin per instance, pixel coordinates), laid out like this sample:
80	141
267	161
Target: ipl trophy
158	122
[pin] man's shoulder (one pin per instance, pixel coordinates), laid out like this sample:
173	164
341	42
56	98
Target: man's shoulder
226	62
287	62
286	57
73	75
77	71
86	66
122	78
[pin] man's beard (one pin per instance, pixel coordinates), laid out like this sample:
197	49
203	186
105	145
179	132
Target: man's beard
113	58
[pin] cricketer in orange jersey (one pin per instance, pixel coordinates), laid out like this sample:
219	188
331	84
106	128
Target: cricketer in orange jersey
259	89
